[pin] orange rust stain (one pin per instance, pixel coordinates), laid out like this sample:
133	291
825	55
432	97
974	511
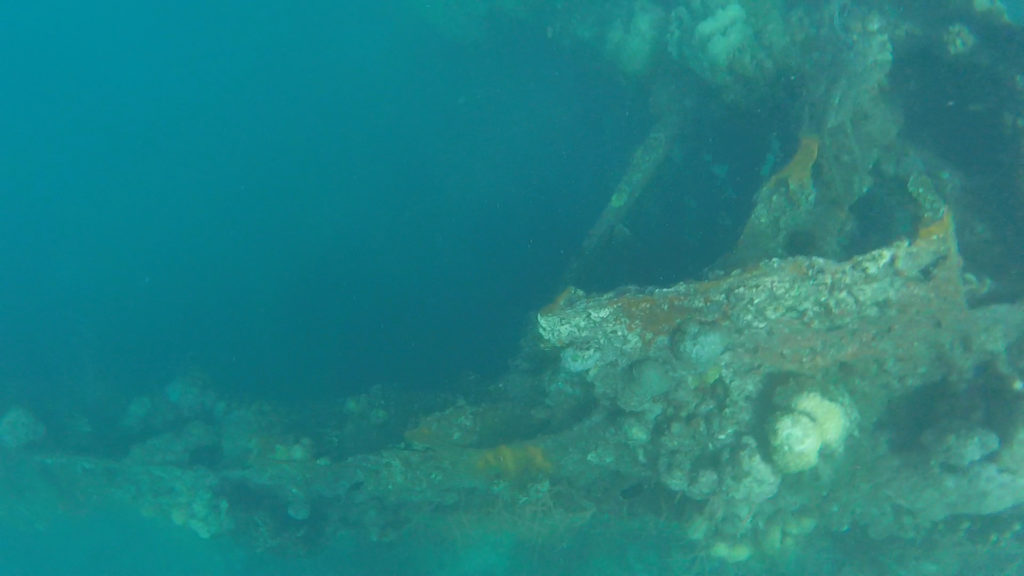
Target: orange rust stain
556	304
941	227
653	316
513	461
797	173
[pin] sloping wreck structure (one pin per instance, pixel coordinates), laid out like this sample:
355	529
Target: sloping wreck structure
840	392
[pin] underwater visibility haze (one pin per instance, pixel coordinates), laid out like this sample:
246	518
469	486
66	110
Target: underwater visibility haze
328	196
512	287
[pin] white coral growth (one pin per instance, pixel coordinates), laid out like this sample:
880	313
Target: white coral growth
722	34
798	437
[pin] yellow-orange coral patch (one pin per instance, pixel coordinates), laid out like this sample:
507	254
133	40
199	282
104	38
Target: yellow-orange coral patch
797	173
513	461
938	228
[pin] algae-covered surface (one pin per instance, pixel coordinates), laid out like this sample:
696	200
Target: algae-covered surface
509	287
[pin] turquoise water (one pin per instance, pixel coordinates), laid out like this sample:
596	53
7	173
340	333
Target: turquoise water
1015	11
280	193
261	262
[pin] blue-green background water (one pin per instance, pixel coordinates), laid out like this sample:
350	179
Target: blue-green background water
301	200
296	202
325	195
